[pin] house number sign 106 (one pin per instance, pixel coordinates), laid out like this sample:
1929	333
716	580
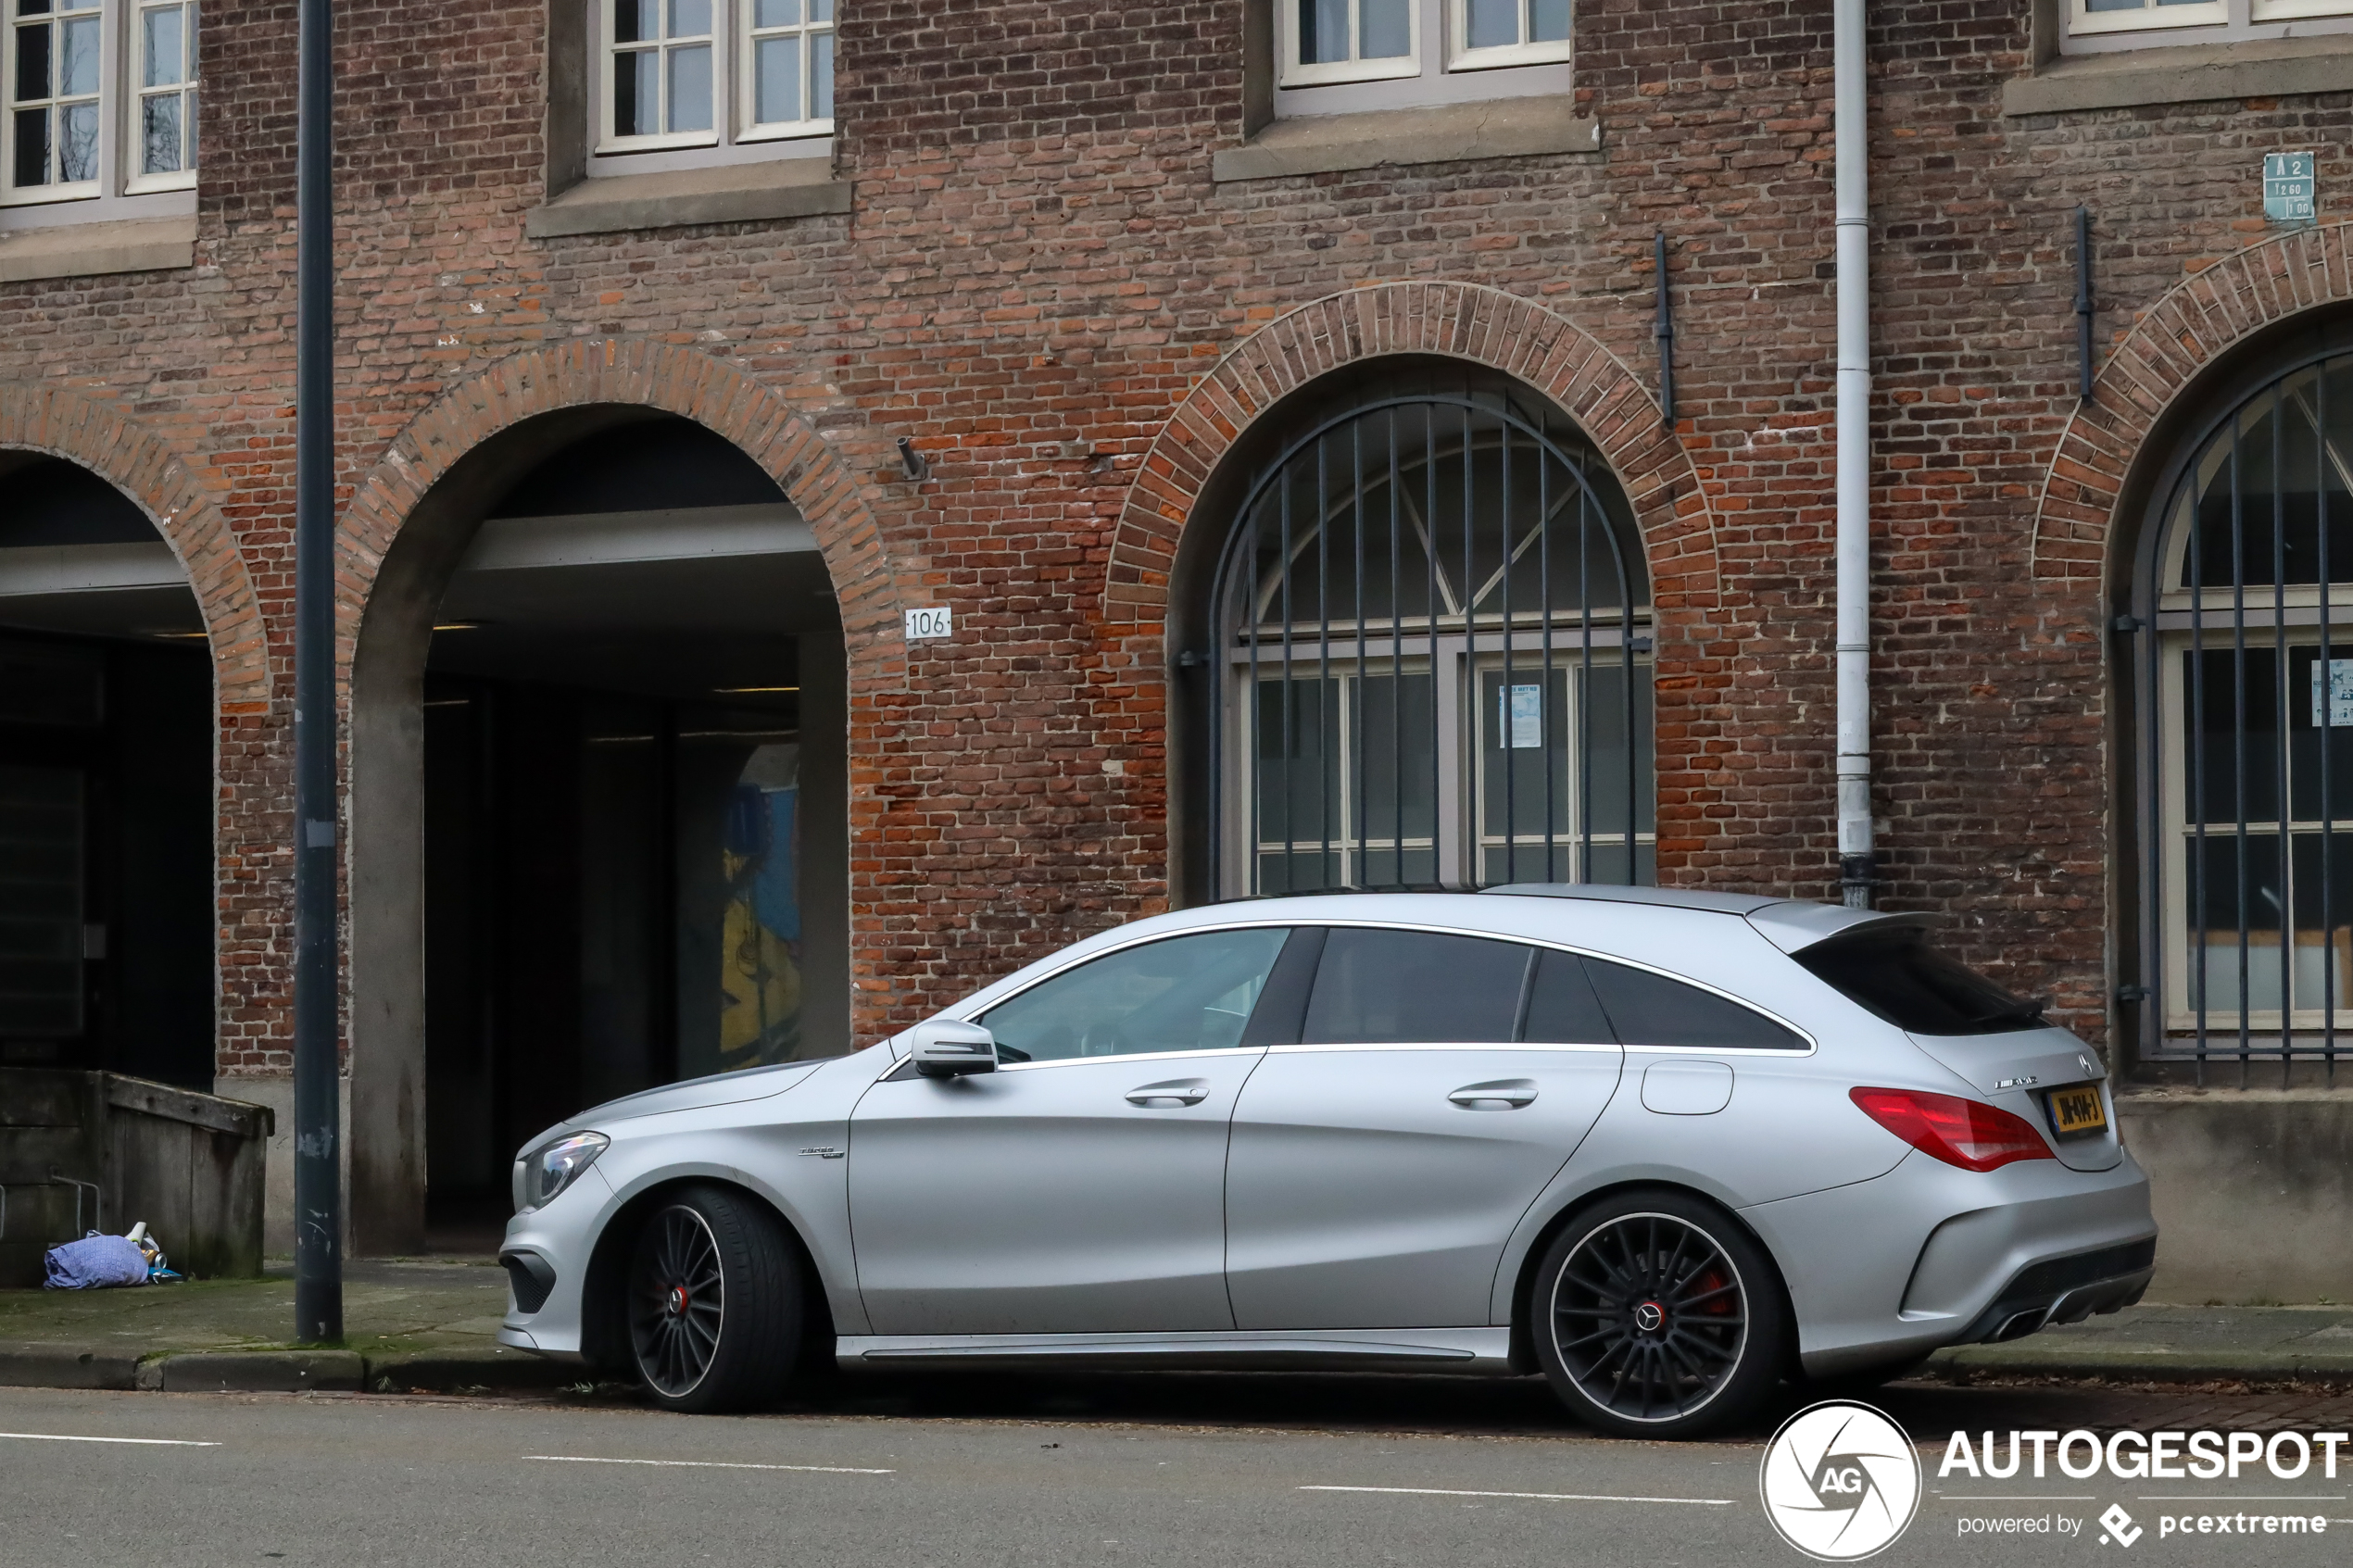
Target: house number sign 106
928	625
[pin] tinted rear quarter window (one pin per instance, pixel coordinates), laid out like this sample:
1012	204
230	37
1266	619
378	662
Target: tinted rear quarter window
1899	976
1651	1009
1413	987
1562	1008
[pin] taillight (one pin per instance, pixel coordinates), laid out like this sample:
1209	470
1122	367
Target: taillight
1959	1132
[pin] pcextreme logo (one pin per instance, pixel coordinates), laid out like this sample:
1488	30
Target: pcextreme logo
1840	1481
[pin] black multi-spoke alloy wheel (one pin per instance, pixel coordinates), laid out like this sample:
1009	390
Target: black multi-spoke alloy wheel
1656	1315
714	1302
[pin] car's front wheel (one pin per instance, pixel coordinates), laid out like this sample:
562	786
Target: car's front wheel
1655	1315
714	1302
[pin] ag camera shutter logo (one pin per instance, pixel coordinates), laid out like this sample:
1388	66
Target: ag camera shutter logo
1840	1481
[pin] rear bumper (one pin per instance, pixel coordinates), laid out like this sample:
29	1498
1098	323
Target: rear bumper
2064	1290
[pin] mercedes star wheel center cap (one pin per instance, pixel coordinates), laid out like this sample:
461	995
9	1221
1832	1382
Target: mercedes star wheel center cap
678	1299
1649	1317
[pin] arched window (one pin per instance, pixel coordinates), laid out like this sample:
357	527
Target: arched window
2248	705
1432	656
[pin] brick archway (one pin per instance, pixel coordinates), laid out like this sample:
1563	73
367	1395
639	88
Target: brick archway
1470	321
2191	328
59	422
644	374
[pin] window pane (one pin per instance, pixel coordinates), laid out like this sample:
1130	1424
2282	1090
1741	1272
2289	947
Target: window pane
2323	936
1525	762
1548	21
776	80
821	76
1896	975
1389	30
2307	708
161	64
2241	922
1323	31
32	147
32	7
2230	717
78	147
1299	765
2097	6
1562	1009
78	64
1649	1009
775	13
1493	23
689	18
159	134
1603	735
1407	987
32	63
1184	994
691	89
1606	863
821	10
634	21
1395	769
637	89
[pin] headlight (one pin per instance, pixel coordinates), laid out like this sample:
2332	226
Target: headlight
545	1172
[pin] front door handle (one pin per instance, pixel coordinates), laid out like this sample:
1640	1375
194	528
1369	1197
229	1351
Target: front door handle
1504	1094
1175	1091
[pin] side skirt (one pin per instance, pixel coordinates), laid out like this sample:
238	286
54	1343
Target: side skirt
1472	1351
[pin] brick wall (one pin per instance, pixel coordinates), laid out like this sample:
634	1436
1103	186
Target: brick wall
1039	272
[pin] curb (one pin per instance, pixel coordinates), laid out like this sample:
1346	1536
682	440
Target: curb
1965	1363
282	1372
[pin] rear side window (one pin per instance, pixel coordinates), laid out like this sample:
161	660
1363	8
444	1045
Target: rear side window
1562	1008
1649	1009
1897	976
1413	987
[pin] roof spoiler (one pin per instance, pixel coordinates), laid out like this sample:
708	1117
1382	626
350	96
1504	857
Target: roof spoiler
1796	924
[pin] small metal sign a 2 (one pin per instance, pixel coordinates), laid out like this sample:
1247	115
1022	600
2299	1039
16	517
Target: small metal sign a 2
2291	191
929	625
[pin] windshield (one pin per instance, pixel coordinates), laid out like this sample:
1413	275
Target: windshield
1895	973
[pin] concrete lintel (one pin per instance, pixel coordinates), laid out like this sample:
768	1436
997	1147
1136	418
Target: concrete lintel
83	250
2185	74
740	193
79	569
1330	143
607	538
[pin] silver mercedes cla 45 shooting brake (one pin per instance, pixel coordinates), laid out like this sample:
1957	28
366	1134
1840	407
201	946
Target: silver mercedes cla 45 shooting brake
1665	1147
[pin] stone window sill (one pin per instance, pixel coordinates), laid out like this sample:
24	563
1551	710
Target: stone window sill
86	250
1331	144
743	193
2185	73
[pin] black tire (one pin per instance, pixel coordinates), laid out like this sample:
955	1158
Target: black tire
1656	1314
713	1302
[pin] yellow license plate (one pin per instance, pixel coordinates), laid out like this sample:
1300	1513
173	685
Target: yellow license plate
2077	1111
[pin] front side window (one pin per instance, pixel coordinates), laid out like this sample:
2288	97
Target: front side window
707	73
1181	994
101	98
1433	649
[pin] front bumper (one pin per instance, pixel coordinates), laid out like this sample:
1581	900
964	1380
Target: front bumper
546	1254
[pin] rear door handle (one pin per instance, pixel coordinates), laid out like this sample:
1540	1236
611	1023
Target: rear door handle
1504	1094
1175	1091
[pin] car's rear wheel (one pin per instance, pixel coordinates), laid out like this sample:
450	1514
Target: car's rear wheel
1656	1314
714	1302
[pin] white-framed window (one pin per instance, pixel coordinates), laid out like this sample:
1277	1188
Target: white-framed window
1325	41
2094	25
709	73
100	99
162	102
1488	33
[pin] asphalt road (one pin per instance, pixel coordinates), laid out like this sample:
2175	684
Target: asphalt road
1100	1472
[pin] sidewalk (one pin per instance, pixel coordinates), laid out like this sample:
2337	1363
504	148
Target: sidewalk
430	1323
409	1323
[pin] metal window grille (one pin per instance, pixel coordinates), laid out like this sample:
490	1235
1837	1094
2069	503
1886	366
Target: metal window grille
1432	665
2246	706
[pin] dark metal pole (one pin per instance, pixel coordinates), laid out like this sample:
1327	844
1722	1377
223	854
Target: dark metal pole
2083	301
1665	330
318	1117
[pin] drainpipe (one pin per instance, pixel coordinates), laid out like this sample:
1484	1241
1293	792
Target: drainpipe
1854	485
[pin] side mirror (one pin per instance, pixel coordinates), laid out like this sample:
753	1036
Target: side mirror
945	1049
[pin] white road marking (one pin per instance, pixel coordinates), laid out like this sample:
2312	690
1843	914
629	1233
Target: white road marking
710	1465
150	1442
1540	1496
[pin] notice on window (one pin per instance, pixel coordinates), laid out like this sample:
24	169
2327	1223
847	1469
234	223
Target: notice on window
1519	715
2340	693
2290	189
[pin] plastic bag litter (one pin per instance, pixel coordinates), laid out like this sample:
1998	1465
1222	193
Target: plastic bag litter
96	1262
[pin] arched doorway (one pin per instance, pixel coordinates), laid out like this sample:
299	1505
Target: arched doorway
1424	652
106	786
600	720
2243	604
